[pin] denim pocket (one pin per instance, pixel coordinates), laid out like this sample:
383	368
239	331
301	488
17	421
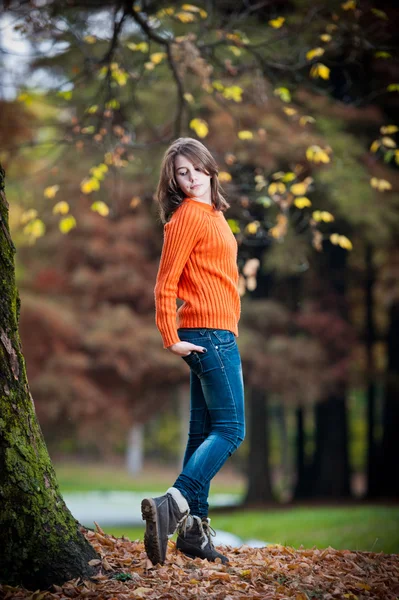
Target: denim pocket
194	362
224	338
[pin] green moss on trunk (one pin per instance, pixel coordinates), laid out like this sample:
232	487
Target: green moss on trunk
40	541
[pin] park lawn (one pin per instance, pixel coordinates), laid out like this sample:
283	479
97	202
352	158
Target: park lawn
364	528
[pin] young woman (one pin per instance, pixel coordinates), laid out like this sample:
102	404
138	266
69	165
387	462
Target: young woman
198	265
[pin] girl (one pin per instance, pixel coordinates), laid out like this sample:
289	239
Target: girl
198	265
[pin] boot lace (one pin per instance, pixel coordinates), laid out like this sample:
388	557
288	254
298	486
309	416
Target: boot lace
209	531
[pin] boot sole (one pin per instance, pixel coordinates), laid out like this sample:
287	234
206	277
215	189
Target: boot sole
152	542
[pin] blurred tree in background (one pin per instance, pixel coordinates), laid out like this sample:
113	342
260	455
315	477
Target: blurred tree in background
299	106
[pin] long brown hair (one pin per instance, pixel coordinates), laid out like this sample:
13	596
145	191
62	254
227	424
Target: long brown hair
168	194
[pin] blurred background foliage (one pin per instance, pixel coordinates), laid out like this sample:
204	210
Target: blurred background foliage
283	94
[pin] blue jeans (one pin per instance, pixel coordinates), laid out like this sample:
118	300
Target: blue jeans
217	420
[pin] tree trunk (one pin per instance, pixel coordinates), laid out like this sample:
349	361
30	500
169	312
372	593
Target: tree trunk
302	475
330	470
135	449
259	480
389	480
372	476
40	541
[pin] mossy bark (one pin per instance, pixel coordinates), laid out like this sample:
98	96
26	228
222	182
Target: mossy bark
40	541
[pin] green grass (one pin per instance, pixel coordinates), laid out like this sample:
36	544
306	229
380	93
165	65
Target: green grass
365	528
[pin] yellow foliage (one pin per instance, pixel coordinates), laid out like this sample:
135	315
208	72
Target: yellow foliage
149	65
277	23
382	54
393	87
92	109
61	208
28	215
120	76
135	201
287	177
157	57
380	184
306	119
317	155
283	93
192	8
66	224
280	229
89	185
90	39
276	188
314	52
100	207
234	226
341	240
140	47
224	176
349	5
252	228
299	189
245	135
388	129
189	97
236	51
185	17
51	191
302	202
325	37
233	92
165	11
397	157
323	215
388	142
320	70
99	171
35	228
112	103
289	111
375	145
200	127
380	13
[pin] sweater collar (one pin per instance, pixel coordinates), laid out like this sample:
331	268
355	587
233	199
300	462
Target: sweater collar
203	205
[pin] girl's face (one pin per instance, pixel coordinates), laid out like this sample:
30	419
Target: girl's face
193	182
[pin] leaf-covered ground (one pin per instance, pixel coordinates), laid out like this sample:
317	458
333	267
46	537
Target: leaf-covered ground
275	572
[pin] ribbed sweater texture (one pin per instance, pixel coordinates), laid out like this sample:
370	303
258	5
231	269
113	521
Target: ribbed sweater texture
198	265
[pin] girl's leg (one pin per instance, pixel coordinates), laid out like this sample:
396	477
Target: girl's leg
199	430
220	373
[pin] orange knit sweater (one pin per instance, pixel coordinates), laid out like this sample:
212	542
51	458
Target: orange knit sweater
198	265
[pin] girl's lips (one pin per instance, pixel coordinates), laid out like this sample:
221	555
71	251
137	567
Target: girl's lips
195	186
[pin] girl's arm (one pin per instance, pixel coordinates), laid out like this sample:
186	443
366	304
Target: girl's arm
181	234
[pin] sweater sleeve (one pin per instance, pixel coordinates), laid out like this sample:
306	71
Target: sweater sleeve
181	234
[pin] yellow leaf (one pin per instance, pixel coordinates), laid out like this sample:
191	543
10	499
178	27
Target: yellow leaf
245	135
89	185
28	215
379	13
120	76
236	51
61	207
149	66
397	157
283	93
135	201
316	154
100	207
388	142
190	7
325	37
314	52
92	109
302	202
299	189
51	191
112	103
375	145
252	228
393	87
349	5
306	119
67	94
276	188
280	229
341	240
200	127
362	586
320	70
189	97
140	47
287	177
224	176
380	184
185	17
67	223
388	129
277	23
322	215
35	228
245	573
289	111
99	171
157	57
234	226
382	54
90	39
233	92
